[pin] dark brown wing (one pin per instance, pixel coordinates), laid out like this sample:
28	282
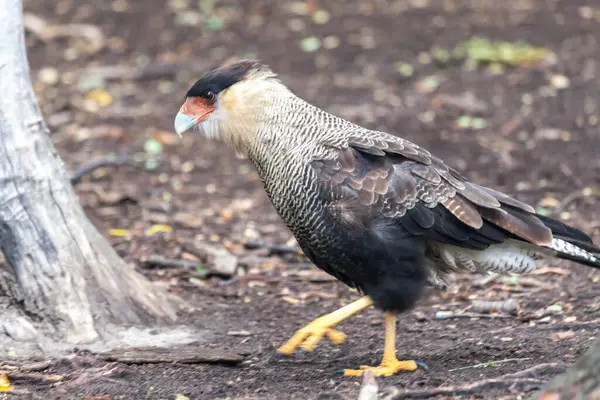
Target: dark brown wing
396	179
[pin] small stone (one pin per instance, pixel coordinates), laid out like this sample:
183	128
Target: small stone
239	333
218	259
559	81
548	133
48	75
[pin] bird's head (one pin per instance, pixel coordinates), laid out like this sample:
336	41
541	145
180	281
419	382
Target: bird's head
228	102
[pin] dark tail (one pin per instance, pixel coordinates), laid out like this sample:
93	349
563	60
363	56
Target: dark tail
577	246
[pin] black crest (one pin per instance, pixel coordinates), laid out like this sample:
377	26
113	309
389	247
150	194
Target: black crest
220	79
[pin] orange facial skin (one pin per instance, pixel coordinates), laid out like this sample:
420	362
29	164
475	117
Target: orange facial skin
197	108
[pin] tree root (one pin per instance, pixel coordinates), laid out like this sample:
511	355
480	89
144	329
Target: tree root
518	379
92	165
182	355
32	377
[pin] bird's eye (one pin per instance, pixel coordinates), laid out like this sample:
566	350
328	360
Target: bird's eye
210	96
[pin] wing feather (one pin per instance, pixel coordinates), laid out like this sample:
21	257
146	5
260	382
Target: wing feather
403	182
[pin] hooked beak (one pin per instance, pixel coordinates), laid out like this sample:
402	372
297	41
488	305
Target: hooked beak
184	123
193	112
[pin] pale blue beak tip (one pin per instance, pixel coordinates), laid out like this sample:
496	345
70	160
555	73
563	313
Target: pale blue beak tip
183	123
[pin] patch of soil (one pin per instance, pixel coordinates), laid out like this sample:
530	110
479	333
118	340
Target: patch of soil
539	141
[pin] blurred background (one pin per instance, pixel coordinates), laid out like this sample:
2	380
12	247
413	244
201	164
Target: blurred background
507	92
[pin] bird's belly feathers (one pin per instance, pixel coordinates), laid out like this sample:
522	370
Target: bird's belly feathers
508	257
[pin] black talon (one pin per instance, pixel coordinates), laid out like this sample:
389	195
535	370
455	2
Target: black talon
422	365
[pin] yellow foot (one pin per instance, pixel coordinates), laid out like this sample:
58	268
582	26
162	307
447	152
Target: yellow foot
387	368
309	336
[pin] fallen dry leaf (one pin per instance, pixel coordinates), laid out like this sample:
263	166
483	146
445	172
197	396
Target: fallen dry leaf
563	335
5	383
154	229
119	232
101	97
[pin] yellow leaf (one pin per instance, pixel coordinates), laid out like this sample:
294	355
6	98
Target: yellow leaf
119	232
154	229
291	300
100	97
549	202
5	383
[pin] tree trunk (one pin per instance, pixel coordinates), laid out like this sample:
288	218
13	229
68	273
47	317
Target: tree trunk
63	280
581	381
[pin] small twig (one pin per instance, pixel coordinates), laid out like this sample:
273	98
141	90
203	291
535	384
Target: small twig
46	31
92	165
32	376
313	278
523	378
576	195
476	387
509	306
36	366
273	249
451	315
532	282
207	290
368	390
551	270
489	364
156	260
594	324
252	277
492	277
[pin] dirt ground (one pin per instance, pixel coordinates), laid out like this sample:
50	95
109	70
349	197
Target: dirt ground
530	129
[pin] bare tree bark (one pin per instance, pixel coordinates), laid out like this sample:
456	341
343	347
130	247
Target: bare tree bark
581	381
63	280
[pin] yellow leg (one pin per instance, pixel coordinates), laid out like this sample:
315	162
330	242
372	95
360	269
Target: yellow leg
389	364
311	334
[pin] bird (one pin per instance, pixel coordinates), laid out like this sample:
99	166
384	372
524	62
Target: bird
376	211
